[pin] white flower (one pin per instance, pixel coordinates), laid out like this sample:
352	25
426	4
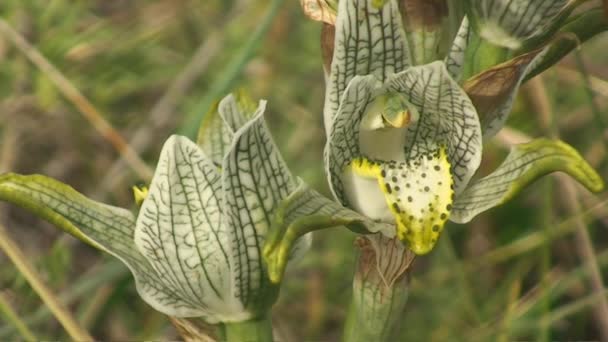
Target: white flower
404	141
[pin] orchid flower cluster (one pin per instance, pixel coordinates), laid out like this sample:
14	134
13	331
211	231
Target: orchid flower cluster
407	110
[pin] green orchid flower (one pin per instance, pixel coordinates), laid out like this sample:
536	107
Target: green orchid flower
404	141
195	247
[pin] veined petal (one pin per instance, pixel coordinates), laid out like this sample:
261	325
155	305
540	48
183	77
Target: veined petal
494	90
214	136
418	193
343	142
454	61
180	231
104	227
255	181
304	211
369	40
446	117
217	129
237	109
508	22
524	164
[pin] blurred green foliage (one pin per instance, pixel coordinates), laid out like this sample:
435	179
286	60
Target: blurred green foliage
509	275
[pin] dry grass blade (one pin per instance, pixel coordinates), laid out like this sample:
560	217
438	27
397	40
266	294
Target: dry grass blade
20	260
161	113
542	105
78	100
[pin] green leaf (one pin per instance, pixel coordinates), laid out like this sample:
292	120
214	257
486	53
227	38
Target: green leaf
105	227
524	164
369	40
508	22
180	230
255	181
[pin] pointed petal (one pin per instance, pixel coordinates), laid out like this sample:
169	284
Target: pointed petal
369	40
454	61
494	90
418	192
304	211
507	23
180	230
217	129
343	142
214	136
237	109
526	163
104	227
447	117
255	180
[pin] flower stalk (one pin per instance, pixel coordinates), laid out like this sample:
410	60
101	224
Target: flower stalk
380	290
255	330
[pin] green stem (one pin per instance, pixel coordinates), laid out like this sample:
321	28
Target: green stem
258	329
380	290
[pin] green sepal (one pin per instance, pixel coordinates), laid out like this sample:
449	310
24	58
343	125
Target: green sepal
36	193
305	211
524	164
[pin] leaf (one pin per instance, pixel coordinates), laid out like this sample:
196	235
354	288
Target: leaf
446	117
494	90
304	211
369	40
454	61
107	228
524	164
508	22
255	181
180	230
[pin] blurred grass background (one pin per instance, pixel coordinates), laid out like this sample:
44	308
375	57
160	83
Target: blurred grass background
519	272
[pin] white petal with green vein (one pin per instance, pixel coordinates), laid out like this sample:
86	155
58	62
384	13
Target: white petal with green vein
454	61
524	164
446	117
508	22
105	227
180	230
369	41
255	180
343	142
